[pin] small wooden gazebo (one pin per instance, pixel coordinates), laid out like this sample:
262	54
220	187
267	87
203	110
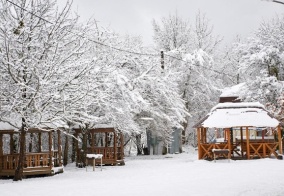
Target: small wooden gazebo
100	140
245	130
43	155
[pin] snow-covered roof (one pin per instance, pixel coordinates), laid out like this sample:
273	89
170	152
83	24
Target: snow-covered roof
233	91
225	115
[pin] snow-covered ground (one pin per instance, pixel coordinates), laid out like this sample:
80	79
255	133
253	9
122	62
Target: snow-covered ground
177	174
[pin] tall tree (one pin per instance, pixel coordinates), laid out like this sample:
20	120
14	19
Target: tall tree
38	55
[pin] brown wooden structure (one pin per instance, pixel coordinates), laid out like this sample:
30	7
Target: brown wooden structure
237	137
105	141
243	148
41	157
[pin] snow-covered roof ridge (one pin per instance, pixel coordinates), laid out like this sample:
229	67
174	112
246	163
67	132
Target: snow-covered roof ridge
233	91
238	105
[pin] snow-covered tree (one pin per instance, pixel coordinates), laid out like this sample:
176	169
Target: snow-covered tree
203	36
39	57
189	56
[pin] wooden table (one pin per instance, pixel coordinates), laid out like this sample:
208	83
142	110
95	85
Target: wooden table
94	157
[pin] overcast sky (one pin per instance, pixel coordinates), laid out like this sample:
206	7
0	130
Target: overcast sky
229	17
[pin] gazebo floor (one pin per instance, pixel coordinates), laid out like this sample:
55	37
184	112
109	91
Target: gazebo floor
33	171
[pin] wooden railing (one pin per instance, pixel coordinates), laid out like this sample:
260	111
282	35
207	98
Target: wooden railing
42	159
256	149
109	154
262	150
10	162
206	149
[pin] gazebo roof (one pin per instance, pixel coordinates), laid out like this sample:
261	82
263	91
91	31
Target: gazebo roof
244	114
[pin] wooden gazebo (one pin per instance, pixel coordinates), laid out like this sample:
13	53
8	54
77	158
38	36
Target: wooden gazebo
100	140
43	155
244	130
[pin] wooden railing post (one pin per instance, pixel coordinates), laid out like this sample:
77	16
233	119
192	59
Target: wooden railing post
1	144
279	140
59	148
50	149
11	144
39	142
93	142
115	145
247	138
121	145
229	143
198	142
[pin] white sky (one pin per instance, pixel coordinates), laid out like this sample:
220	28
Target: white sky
229	17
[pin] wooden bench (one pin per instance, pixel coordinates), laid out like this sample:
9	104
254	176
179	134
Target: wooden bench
218	152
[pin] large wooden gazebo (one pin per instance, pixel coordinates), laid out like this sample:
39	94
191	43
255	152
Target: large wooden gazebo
43	154
103	140
244	130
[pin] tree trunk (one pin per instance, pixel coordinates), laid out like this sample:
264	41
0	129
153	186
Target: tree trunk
19	170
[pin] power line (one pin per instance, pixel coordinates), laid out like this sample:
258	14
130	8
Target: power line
102	44
201	66
115	48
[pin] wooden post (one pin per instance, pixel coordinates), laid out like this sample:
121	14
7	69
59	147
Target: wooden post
279	140
50	149
1	144
115	145
202	135
247	138
39	142
205	135
198	142
229	143
11	144
242	141
59	148
122	146
93	142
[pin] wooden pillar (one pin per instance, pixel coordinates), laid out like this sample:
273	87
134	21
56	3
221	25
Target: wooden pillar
202	135
122	145
247	138
229	142
198	141
50	149
11	144
115	145
59	148
39	142
279	140
106	139
93	142
1	144
242	141
205	135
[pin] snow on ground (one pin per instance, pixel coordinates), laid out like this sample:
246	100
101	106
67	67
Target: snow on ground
177	174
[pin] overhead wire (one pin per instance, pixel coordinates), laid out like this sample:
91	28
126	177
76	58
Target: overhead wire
112	47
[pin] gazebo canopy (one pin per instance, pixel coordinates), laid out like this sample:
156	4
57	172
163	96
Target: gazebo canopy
244	114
